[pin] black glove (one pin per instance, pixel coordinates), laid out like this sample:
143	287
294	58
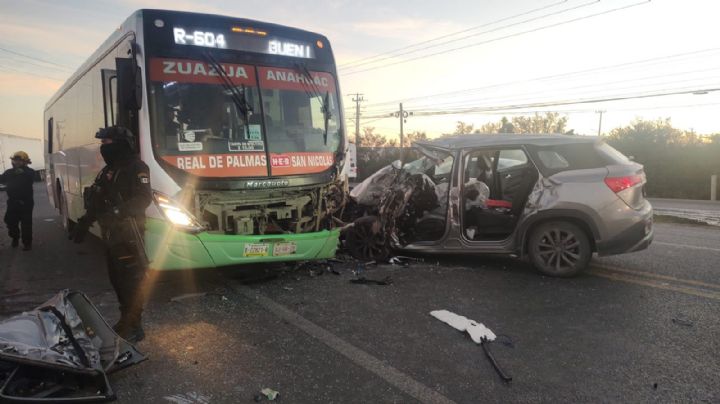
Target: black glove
80	230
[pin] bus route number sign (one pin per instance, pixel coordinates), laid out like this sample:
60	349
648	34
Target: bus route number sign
199	38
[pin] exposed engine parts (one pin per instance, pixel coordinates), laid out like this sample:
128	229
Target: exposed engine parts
277	211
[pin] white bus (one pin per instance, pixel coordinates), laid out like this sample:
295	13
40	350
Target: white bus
241	125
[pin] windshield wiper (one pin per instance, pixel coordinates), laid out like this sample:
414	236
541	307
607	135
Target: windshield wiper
326	114
315	92
238	97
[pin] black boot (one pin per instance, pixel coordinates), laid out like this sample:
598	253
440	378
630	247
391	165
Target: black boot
130	327
27	246
15	242
121	325
135	331
136	334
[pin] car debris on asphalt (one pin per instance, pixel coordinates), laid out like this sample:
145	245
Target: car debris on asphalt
187	296
478	332
403	261
62	350
682	322
316	268
365	281
189	398
268	393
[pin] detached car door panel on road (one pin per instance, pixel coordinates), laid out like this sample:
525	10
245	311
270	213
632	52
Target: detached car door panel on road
552	199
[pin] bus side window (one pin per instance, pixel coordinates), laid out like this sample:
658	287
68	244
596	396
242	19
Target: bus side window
109	78
50	136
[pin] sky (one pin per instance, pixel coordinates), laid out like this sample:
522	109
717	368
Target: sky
457	60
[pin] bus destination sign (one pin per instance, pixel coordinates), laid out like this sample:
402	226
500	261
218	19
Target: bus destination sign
241	42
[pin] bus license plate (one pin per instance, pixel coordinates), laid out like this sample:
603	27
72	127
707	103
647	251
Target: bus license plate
256	250
284	249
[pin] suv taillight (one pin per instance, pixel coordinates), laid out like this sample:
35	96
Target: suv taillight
617	184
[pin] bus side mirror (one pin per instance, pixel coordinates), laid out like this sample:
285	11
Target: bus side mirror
129	84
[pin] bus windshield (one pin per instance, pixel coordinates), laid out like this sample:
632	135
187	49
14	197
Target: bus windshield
229	123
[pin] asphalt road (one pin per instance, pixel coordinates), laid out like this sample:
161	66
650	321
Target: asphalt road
634	328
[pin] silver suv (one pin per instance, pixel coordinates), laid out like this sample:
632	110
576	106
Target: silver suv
553	199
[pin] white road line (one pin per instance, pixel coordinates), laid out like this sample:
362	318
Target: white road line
361	358
694	247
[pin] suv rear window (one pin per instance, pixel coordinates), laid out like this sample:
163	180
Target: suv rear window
575	156
611	154
553	160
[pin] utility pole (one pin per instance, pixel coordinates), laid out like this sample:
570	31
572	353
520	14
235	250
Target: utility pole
600	111
403	115
357	100
402	135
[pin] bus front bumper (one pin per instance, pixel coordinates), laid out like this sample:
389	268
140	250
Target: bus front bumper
171	249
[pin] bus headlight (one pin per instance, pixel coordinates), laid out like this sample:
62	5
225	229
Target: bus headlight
176	214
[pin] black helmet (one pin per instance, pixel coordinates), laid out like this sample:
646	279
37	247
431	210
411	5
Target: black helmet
117	133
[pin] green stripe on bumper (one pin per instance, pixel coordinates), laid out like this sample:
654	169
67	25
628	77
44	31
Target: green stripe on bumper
169	249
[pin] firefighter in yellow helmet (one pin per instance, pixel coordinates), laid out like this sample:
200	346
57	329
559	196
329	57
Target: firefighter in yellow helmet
18	217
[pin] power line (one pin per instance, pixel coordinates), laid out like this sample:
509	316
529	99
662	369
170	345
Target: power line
34	58
707	104
651	61
14	70
597	99
480	33
584	88
500	38
664	93
27	62
376	119
522	98
364	61
576	111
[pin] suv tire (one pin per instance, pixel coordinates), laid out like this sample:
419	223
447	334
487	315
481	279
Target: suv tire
364	241
559	249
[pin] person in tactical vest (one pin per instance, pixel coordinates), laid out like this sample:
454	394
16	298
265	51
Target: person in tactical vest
117	201
18	216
